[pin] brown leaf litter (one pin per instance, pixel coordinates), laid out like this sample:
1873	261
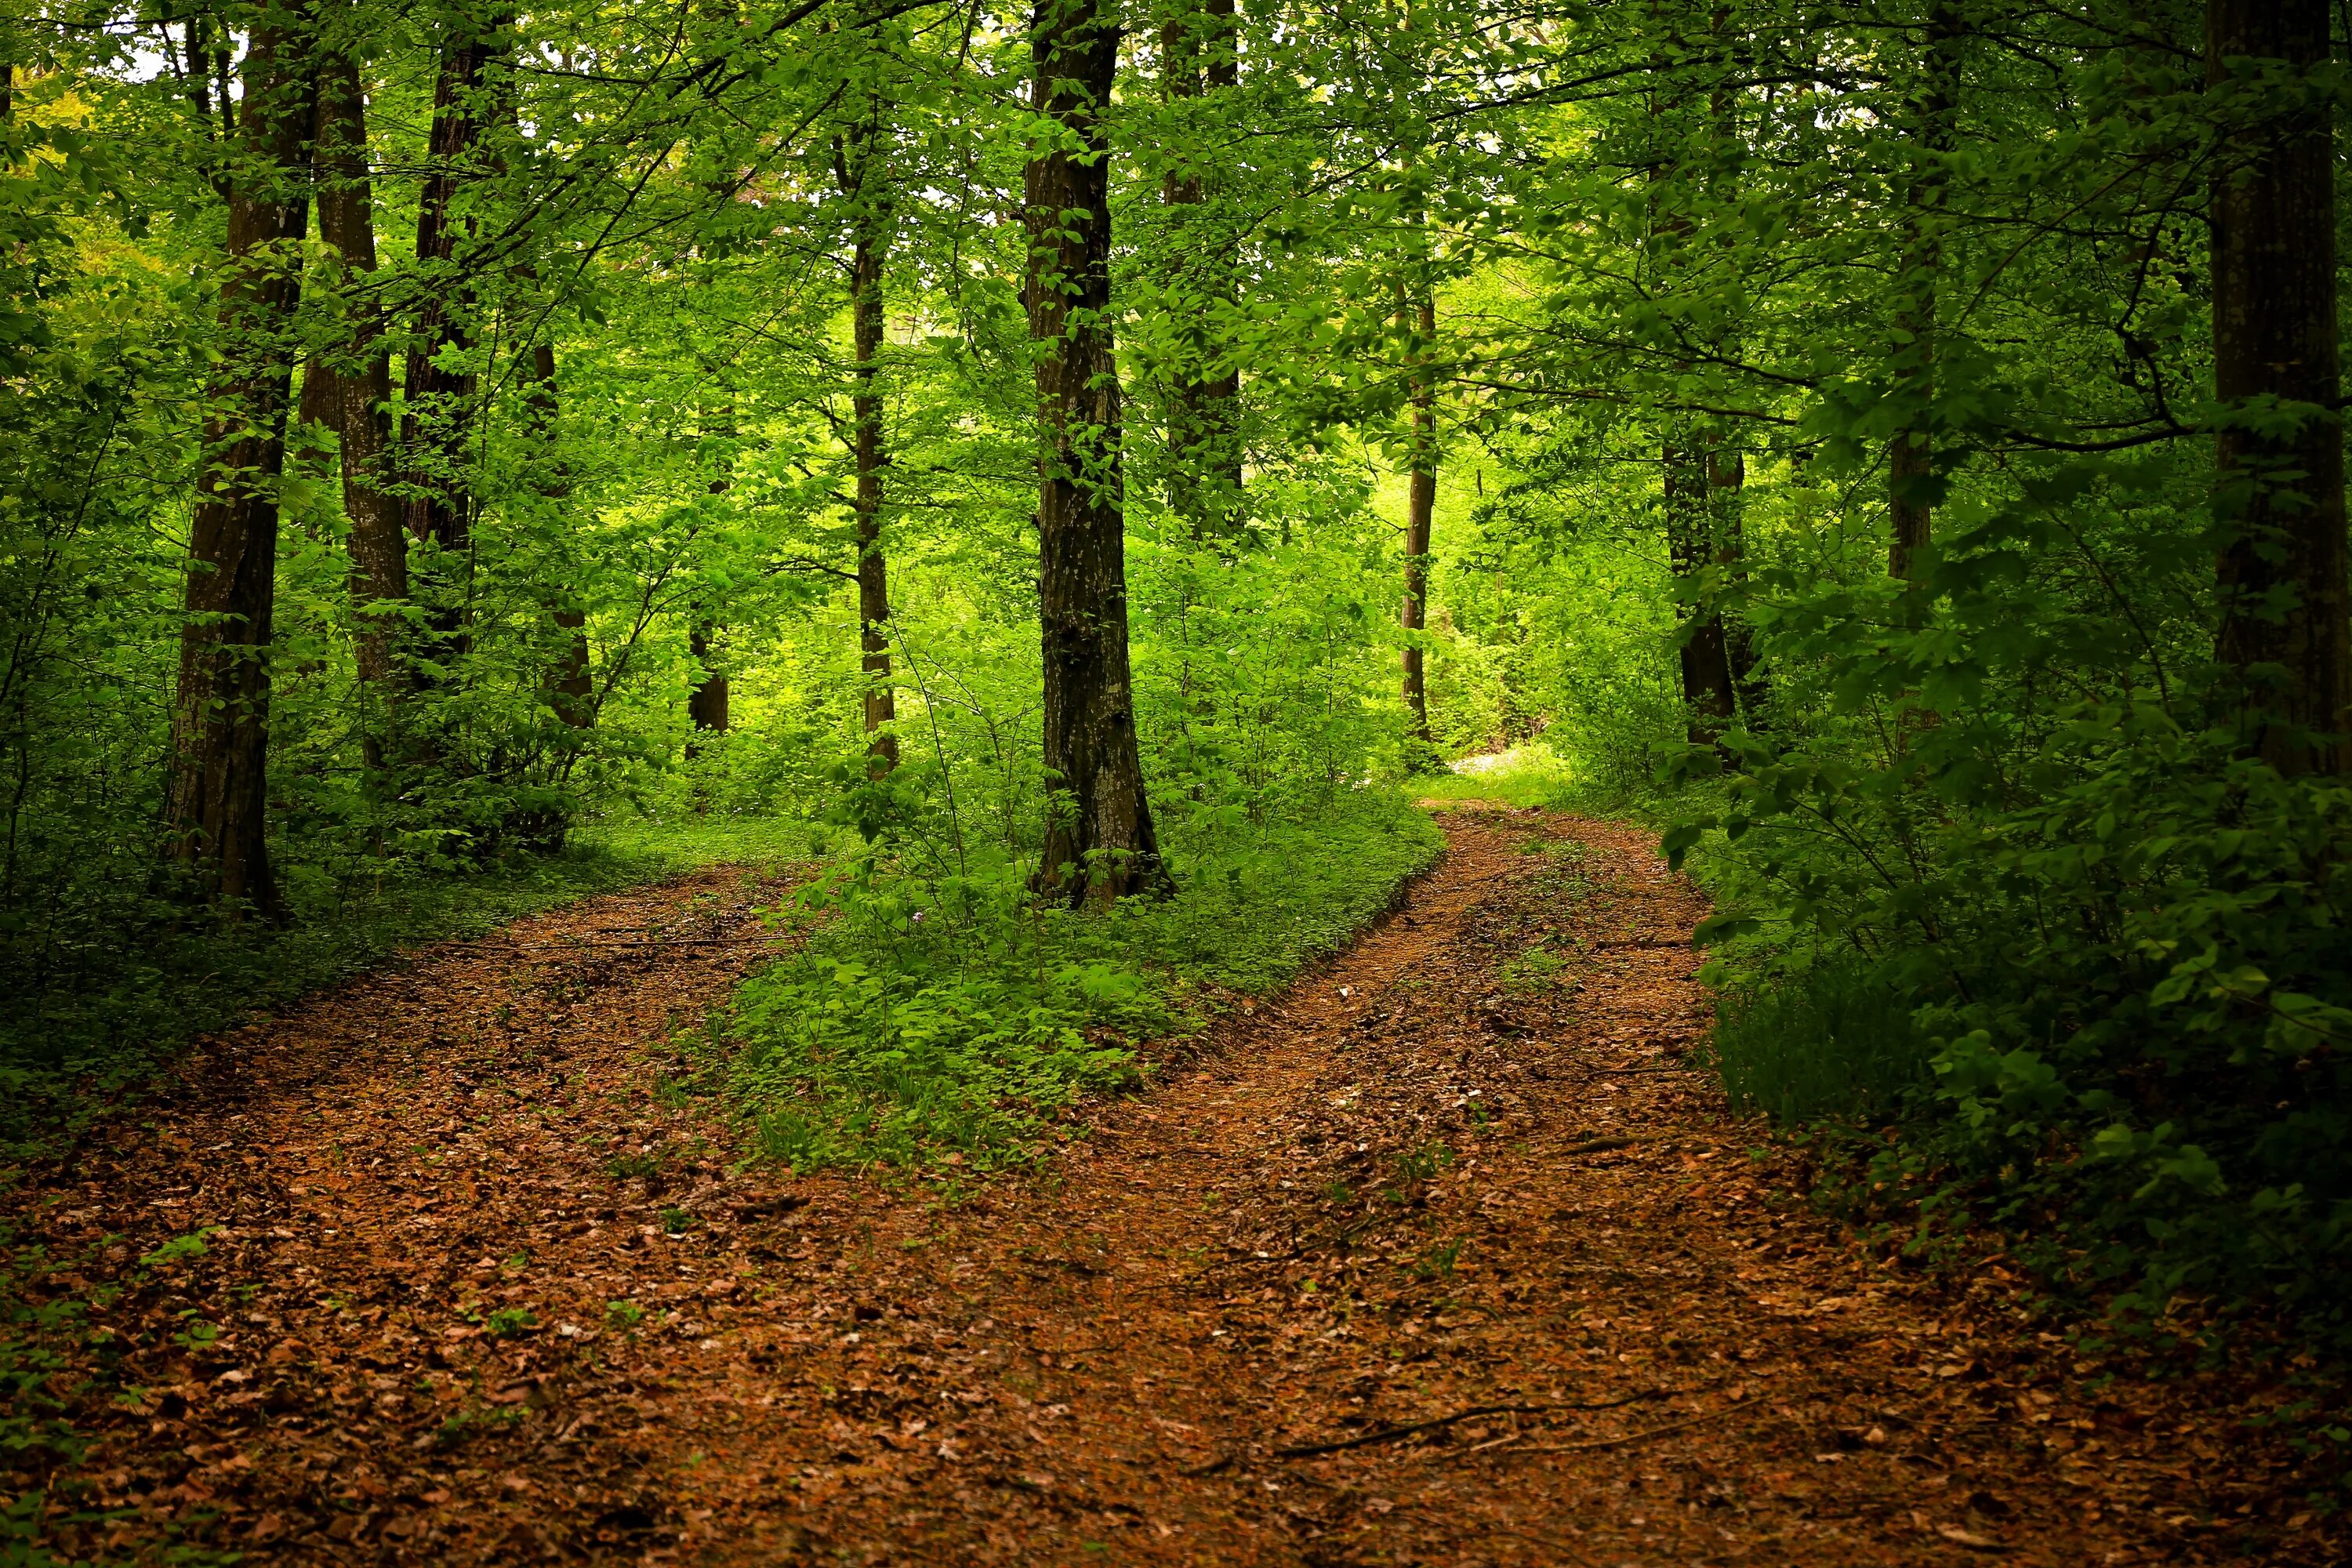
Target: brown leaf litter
1446	1258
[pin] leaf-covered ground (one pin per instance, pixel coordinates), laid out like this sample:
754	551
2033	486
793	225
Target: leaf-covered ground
1446	1258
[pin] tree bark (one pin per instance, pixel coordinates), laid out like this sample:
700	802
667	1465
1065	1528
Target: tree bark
570	689
1199	48
861	180
1099	843
1910	453
705	704
350	393
2282	571
1691	547
218	789
1726	474
1421	505
440	389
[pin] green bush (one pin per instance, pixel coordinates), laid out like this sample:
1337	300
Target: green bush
1831	1041
938	1012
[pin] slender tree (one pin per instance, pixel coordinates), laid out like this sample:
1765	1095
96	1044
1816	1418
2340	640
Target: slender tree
1199	52
706	702
349	390
439	387
1421	506
1099	843
571	687
219	796
1910	455
2279	449
859	170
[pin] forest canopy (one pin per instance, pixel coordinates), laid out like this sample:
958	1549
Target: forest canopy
1085	457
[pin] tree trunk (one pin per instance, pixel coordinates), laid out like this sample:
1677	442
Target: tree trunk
1420	504
1726	474
1199	48
1099	843
570	689
440	389
861	182
349	393
2282	571
218	801
1910	455
1692	546
705	705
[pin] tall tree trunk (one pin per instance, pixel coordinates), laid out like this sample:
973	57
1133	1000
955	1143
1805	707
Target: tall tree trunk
705	704
1199	48
1421	505
1726	474
1910	455
1099	843
2282	572
349	393
1693	545
570	688
440	390
862	180
218	800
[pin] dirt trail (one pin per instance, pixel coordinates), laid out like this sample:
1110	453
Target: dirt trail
1447	1258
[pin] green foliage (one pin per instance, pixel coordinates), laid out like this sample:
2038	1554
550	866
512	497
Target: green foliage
946	1015
1828	1040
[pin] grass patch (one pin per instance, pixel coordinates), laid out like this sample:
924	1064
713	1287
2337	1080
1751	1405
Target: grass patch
78	1029
1529	775
1831	1042
952	1019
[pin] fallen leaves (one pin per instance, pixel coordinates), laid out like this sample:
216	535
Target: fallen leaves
1410	1263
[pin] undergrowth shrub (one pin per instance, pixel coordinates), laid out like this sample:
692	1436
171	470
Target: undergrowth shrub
1832	1040
936	1010
2132	983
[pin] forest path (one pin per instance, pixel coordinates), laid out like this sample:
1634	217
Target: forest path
1458	1181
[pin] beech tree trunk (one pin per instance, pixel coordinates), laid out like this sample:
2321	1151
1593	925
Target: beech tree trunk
1099	843
1421	505
570	689
1198	47
705	704
440	389
349	393
1692	546
1726	474
218	787
861	180
1910	455
2282	572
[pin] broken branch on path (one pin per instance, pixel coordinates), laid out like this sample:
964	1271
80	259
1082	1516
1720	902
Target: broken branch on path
1642	1437
1389	1434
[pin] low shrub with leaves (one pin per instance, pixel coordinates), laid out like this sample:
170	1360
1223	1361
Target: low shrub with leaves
2111	1013
937	1009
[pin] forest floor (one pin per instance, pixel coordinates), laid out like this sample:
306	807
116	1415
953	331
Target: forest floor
1445	1256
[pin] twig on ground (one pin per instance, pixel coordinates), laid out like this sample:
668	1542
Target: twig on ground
1389	1434
1642	1437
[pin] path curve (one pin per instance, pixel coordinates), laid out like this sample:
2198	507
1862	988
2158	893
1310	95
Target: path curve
1448	1256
